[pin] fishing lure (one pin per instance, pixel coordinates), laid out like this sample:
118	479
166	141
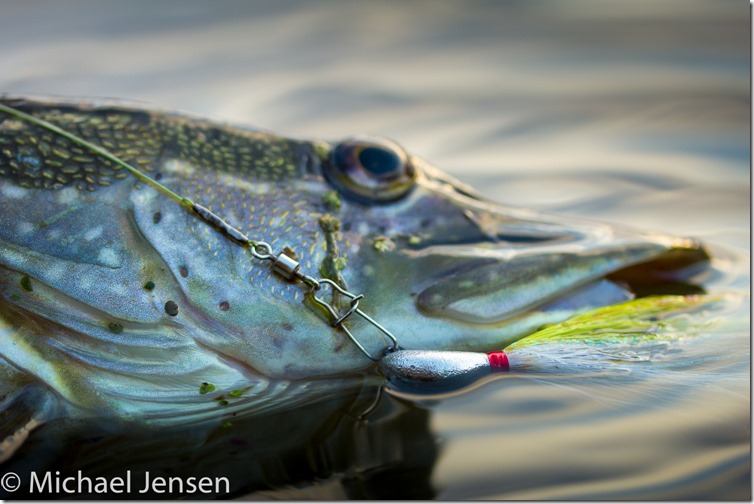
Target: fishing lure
631	332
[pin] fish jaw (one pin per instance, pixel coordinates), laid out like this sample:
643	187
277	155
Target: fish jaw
466	273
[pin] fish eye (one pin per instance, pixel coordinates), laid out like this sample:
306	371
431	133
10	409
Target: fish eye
371	170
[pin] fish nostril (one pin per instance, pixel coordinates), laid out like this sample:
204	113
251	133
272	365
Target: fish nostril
183	270
224	306
157	217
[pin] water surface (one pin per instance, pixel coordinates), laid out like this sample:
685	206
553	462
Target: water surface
626	112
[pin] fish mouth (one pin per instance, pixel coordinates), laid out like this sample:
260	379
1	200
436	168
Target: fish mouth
491	290
512	261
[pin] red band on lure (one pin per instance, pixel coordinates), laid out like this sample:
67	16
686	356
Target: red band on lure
498	361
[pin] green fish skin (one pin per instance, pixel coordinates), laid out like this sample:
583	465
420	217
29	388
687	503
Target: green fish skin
117	300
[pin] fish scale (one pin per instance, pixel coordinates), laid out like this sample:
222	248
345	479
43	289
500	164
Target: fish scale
303	235
138	138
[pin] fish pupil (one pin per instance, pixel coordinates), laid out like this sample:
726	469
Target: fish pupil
379	162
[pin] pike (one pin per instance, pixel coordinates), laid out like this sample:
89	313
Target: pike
115	300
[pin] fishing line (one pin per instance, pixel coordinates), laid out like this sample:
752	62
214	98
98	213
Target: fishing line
282	264
184	202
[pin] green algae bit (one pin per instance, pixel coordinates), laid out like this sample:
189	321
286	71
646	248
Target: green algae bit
240	392
206	388
331	199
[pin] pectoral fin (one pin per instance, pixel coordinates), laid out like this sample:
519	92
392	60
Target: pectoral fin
25	406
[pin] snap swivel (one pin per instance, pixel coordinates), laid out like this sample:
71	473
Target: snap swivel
338	319
290	269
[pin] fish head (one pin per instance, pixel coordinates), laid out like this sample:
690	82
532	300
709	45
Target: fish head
446	268
122	279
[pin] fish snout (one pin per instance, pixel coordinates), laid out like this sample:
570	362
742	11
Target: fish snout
497	262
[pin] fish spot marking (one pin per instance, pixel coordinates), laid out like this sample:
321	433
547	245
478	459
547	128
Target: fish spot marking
171	308
115	328
14	192
85	283
93	234
119	289
108	257
177	166
25	228
26	283
67	196
56	272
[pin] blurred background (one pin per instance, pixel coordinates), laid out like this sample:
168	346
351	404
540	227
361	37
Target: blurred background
635	112
594	102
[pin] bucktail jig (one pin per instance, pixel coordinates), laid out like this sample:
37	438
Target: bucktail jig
438	372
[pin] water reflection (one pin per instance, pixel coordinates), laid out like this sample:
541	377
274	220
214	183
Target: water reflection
629	112
361	444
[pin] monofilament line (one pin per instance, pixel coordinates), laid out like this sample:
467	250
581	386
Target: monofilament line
184	202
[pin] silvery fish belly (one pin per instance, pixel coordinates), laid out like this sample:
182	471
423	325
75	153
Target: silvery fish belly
114	299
